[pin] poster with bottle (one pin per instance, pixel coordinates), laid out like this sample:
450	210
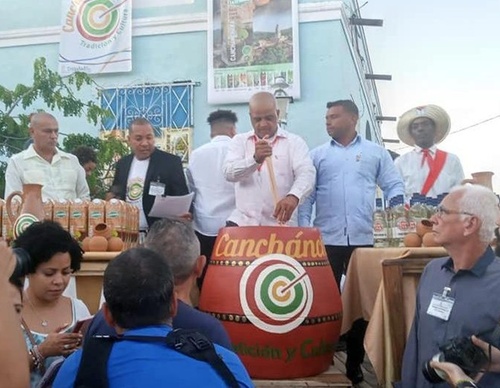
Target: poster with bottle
251	37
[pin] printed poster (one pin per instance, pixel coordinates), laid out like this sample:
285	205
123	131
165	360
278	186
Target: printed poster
96	36
250	44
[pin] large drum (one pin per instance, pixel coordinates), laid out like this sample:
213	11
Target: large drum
274	291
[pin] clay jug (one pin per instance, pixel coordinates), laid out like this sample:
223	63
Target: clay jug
31	208
483	178
103	230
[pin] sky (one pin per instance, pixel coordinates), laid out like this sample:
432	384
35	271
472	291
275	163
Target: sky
443	52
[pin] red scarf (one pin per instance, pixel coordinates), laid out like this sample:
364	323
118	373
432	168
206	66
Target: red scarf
435	168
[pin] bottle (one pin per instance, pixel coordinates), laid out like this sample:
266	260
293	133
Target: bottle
380	236
399	221
417	212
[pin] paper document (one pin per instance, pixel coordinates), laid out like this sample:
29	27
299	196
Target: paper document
170	206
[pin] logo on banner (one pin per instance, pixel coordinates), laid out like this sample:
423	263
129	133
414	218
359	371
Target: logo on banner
276	293
98	20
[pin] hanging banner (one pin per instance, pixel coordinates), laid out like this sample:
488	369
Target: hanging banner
250	44
96	36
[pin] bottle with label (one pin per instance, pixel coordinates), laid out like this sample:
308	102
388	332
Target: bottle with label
432	204
399	221
417	212
380	235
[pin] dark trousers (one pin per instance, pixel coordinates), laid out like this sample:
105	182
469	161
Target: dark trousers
339	257
206	247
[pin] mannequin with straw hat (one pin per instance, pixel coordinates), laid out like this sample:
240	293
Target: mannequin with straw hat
426	169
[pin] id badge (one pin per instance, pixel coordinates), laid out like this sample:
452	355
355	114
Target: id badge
156	188
440	306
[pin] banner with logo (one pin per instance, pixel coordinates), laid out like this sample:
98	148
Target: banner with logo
96	36
250	44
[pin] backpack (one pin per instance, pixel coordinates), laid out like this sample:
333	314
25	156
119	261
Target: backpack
93	369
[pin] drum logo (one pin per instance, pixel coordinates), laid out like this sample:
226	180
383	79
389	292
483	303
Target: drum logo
276	293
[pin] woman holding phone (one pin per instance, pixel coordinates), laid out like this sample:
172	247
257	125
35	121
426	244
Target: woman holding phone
48	316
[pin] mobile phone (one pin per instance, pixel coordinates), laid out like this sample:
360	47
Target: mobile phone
79	324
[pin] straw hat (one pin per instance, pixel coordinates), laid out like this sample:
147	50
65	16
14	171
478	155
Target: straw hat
433	112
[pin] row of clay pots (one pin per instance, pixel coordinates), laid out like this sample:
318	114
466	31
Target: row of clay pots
102	240
422	237
101	244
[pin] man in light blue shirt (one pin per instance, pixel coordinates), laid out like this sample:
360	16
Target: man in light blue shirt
348	170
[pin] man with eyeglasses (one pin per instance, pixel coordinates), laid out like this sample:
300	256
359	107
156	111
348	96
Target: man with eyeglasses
426	169
455	297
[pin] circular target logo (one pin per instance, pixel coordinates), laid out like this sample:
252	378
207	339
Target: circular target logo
98	20
22	222
135	191
276	293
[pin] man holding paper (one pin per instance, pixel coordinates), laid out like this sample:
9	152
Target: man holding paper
146	173
271	167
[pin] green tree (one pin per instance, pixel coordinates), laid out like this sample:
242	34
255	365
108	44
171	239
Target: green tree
48	91
108	149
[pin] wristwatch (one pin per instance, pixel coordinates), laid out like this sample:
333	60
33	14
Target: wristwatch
466	384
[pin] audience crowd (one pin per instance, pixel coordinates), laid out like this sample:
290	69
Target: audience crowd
263	177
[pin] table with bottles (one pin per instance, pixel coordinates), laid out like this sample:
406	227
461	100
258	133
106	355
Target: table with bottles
399	218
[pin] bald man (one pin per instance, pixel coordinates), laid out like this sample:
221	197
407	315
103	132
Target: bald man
42	162
271	169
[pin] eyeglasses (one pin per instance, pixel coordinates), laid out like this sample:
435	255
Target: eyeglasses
440	210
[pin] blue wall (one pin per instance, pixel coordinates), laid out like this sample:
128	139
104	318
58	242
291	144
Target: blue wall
327	67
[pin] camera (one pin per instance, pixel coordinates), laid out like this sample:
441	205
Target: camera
23	262
459	351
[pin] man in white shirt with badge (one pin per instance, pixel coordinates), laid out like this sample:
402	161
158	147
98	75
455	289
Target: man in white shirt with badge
271	167
213	195
43	163
427	170
146	173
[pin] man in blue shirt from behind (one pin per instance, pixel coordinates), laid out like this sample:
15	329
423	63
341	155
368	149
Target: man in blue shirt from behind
176	241
348	170
140	301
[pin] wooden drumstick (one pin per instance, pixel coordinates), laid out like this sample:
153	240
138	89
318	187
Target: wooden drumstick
272	179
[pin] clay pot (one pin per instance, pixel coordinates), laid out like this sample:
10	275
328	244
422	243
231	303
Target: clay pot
412	240
429	241
85	244
423	227
31	209
483	178
98	244
103	230
115	244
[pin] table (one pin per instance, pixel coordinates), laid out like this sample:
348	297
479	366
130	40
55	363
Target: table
89	278
364	297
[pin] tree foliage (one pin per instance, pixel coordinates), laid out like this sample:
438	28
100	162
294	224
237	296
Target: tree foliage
108	150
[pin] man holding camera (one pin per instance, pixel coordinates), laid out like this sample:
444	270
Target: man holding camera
454	299
457	377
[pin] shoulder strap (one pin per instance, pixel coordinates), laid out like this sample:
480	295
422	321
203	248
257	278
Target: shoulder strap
197	346
93	372
33	342
93	369
434	171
